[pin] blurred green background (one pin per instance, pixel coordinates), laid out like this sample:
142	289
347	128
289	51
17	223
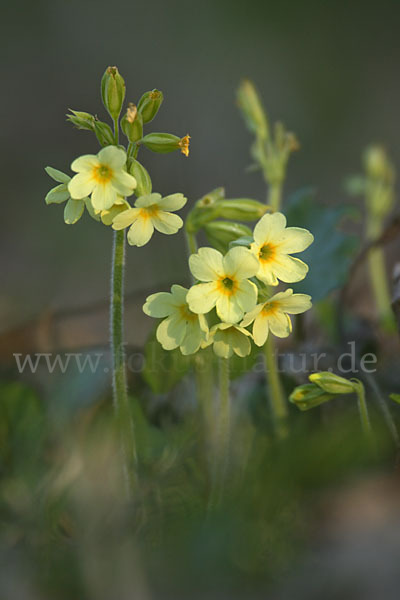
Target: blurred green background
328	69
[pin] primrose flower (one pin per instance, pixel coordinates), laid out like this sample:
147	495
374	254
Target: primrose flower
74	208
103	176
182	327
228	339
107	216
273	244
226	282
151	212
274	315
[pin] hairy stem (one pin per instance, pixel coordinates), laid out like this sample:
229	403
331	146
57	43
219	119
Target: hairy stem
222	444
275	391
123	418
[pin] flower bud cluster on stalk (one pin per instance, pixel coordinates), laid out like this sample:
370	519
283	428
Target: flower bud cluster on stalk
102	183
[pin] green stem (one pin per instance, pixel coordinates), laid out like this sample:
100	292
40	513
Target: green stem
363	410
275	391
222	443
378	277
123	418
191	241
275	195
116	131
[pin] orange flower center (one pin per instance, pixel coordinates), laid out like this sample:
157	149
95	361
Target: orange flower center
103	174
149	211
267	253
270	308
227	286
187	314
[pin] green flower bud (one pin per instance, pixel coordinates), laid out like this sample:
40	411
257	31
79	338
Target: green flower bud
242	209
149	105
104	133
221	233
81	120
205	210
132	123
166	142
308	396
252	109
143	181
333	384
113	91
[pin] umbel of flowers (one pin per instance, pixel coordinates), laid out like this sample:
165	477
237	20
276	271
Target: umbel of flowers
239	288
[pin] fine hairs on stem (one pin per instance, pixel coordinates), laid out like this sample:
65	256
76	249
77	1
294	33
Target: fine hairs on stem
123	417
222	442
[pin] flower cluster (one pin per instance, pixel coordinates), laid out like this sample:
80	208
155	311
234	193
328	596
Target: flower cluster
102	184
237	287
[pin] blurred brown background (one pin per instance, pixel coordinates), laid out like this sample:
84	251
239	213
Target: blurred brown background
328	69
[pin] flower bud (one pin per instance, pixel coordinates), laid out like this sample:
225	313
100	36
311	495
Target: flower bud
149	105
333	384
81	120
104	133
308	396
166	142
252	109
221	233
132	123
113	91
241	209
143	181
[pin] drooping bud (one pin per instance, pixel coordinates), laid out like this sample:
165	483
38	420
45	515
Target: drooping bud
308	396
242	209
149	105
132	123
250	104
143	180
333	384
81	120
104	133
113	91
221	233
166	142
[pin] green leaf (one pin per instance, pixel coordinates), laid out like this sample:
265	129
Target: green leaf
331	254
395	398
163	368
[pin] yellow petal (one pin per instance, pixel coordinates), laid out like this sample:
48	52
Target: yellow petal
207	264
140	232
202	297
240	263
166	222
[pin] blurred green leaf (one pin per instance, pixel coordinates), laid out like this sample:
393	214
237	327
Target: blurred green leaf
331	254
163	368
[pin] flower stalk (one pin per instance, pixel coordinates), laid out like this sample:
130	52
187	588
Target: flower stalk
275	392
123	417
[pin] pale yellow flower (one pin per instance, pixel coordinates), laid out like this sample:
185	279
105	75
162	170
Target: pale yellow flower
151	212
182	327
273	244
74	208
273	315
103	176
227	339
226	282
